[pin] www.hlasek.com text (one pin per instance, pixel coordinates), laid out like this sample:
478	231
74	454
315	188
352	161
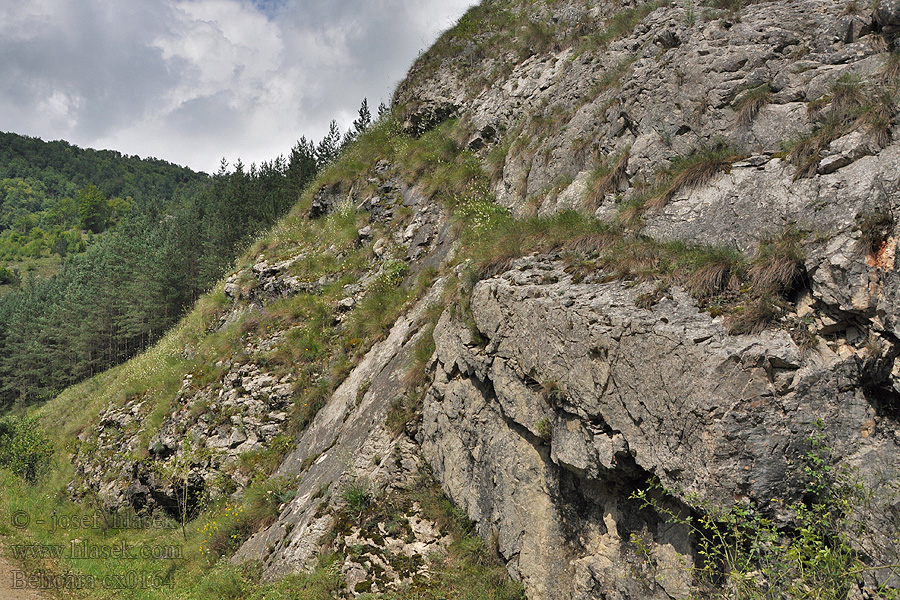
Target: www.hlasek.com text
78	549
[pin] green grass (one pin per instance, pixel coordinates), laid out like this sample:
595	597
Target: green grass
693	170
850	105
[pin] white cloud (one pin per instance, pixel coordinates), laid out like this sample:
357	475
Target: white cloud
194	80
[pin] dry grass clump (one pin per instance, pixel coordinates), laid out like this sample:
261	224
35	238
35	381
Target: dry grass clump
890	70
691	171
778	262
751	102
876	118
714	272
753	316
592	243
874	228
606	179
850	106
775	272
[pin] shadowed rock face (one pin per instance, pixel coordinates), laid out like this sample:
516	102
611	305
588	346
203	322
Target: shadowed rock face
577	396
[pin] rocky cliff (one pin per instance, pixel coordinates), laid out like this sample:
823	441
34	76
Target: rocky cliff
731	315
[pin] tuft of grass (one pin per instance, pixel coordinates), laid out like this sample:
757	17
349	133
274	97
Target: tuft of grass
749	103
403	411
691	171
851	105
775	272
713	271
889	74
777	265
544	430
553	391
874	228
417	373
753	316
606	179
357	495
876	117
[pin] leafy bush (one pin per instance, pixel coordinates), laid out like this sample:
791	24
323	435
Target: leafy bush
7	276
357	495
744	554
24	448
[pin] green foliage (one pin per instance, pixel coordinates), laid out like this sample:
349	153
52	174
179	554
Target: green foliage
544	429
118	292
8	277
744	554
93	210
357	495
24	448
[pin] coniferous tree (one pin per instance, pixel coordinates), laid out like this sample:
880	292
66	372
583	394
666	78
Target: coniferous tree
364	119
360	124
329	147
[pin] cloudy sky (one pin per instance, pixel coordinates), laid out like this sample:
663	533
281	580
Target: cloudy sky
193	81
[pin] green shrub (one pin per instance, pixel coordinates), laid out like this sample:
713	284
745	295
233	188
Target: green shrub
357	495
743	553
24	448
8	277
544	430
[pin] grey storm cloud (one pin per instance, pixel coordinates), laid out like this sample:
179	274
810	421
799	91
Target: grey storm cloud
192	81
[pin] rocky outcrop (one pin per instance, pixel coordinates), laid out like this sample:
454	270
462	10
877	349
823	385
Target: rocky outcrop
681	80
200	441
349	444
555	399
569	397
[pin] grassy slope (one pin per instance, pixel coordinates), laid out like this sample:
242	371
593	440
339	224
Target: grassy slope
155	376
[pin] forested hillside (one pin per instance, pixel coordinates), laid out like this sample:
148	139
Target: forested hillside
166	233
52	191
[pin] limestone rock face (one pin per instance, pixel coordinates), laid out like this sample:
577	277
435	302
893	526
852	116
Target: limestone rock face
679	81
577	396
887	16
347	442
